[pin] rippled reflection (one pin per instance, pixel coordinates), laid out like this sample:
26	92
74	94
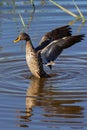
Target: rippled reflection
32	94
59	107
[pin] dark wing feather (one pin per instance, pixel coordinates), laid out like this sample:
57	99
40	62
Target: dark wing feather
56	34
43	45
51	52
69	41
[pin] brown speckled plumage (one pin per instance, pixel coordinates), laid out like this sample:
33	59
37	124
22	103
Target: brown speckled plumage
34	61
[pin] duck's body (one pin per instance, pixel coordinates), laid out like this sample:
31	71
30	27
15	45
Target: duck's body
34	61
50	46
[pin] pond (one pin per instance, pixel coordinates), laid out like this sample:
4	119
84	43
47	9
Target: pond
59	102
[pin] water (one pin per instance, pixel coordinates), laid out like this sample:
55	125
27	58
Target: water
59	102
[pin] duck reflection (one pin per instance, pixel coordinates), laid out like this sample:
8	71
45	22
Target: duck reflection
58	106
32	94
54	103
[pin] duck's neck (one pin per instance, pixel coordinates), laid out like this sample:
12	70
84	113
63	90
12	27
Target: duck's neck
29	47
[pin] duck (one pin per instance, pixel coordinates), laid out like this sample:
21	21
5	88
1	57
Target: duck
50	47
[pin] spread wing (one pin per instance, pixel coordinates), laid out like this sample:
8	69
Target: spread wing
52	51
57	33
54	35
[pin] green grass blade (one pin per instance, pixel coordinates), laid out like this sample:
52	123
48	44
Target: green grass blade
78	9
81	15
21	19
64	9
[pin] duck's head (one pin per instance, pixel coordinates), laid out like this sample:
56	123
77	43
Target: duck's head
22	36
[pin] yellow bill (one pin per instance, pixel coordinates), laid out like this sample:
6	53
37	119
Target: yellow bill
17	39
